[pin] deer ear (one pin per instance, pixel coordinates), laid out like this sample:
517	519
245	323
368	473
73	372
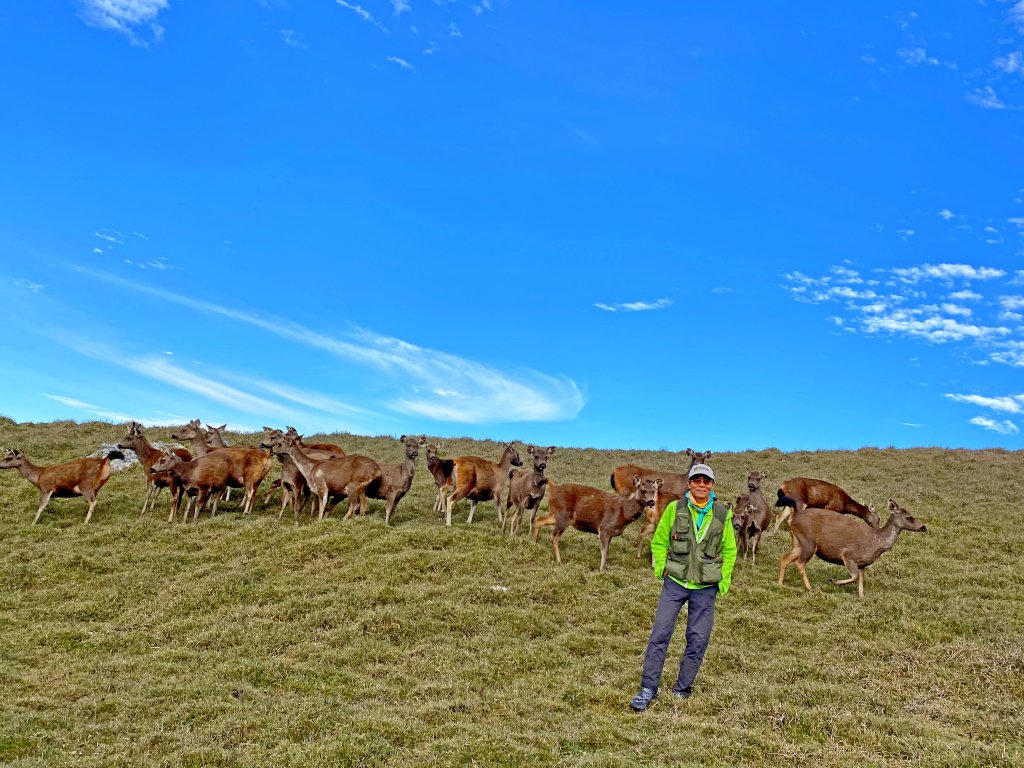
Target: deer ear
402	438
423	441
440	446
637	480
893	505
764	473
551	450
658	483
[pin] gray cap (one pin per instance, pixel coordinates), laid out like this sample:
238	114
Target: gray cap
701	469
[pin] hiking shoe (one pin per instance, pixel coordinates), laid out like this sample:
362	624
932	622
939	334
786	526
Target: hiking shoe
643	699
682	693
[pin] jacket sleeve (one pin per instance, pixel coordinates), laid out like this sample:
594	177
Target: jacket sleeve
660	541
728	554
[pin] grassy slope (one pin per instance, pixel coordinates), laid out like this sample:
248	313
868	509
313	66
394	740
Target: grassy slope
252	642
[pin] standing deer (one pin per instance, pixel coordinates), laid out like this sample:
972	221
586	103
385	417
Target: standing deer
202	478
478	479
396	479
81	477
148	455
294	490
756	515
843	540
441	470
526	489
799	492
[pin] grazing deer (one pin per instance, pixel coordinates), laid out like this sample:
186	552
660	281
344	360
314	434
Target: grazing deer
248	465
799	492
441	470
478	479
202	478
526	489
81	477
396	479
333	478
673	488
843	540
755	513
595	511
148	455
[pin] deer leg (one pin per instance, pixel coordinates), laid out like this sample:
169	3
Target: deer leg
44	499
788	558
90	496
644	532
860	584
783	516
472	511
389	509
606	539
855	573
556	534
803	575
538	523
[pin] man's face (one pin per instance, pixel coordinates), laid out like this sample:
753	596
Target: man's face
700	488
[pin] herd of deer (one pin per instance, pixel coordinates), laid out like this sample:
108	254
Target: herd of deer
821	514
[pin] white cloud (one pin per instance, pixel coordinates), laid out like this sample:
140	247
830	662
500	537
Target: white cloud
1017	221
722	289
126	17
986	98
1016	14
947	272
905	233
489	394
291	37
1011	63
454	30
361	12
401	6
117	416
933	328
916	56
400	62
431	48
1011	303
1010	317
110	235
947	214
1002	427
965	295
635	306
956	309
1003	404
28	285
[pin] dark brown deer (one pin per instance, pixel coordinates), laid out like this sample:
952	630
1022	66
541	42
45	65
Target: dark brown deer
396	479
334	478
249	465
589	509
673	488
478	479
202	478
81	477
843	540
799	492
441	470
526	489
756	513
294	491
148	455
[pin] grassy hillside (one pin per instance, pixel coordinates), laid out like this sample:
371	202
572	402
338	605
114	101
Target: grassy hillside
252	642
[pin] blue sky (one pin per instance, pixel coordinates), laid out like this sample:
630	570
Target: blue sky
656	225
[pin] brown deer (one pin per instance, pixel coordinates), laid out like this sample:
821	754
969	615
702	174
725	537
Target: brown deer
334	478
526	489
441	470
294	491
478	479
673	488
80	477
337	450
595	511
202	478
248	465
756	515
396	479
148	455
799	492
843	540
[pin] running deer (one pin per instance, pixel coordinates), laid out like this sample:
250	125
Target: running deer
843	540
201	478
595	511
396	479
248	465
799	492
148	455
80	477
755	513
441	470
526	489
478	479
673	488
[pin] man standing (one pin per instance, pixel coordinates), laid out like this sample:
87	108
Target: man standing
693	551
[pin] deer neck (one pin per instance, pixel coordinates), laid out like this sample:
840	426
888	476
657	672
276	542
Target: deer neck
29	470
632	508
302	461
144	449
506	462
199	446
408	468
886	537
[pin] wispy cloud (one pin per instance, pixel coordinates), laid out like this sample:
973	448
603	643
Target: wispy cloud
947	214
489	394
454	30
986	98
400	62
400	7
110	235
1010	64
916	56
635	306
1002	404
292	38
111	415
126	17
1016	15
362	13
947	272
28	285
1002	427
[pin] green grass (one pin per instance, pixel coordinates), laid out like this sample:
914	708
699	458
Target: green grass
252	642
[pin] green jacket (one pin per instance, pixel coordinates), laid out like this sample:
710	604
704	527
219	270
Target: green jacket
662	538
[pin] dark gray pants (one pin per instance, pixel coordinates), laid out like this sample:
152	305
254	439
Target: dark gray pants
700	616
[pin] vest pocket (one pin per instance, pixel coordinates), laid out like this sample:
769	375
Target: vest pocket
710	569
679	545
